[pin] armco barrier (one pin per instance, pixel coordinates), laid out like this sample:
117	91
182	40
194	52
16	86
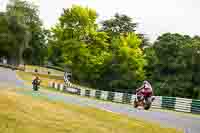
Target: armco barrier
160	102
195	107
168	102
157	102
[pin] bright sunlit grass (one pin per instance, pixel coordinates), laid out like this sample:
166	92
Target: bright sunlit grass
24	114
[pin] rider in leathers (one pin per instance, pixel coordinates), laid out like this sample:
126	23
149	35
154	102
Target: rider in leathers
145	91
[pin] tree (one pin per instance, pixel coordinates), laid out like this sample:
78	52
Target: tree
122	25
3	34
94	62
145	41
191	56
78	22
26	13
118	25
39	45
125	69
13	44
79	45
173	65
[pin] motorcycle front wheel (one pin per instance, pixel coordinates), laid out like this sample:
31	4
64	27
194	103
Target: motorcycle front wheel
147	104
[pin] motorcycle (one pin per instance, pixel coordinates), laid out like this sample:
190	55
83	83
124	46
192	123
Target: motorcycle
143	101
36	84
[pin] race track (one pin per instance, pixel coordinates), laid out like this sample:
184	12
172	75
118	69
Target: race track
8	78
190	123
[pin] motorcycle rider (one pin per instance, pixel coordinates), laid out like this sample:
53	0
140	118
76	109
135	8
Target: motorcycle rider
145	91
36	82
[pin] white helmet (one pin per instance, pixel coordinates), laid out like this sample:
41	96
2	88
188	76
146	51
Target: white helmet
145	82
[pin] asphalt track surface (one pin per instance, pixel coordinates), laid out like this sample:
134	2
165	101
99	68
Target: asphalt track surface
189	123
8	78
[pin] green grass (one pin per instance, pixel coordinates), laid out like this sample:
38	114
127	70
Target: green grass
24	114
44	70
28	78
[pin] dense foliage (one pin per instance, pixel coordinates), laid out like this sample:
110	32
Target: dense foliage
93	59
174	65
110	55
21	34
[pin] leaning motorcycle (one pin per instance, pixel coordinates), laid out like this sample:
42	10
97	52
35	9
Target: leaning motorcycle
142	101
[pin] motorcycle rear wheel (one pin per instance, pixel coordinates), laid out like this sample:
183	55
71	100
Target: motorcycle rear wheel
135	104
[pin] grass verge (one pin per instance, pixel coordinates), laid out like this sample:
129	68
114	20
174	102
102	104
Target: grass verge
28	77
23	114
43	70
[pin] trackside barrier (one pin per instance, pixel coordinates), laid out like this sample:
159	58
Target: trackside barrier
82	92
118	97
160	102
104	95
157	102
195	106
92	93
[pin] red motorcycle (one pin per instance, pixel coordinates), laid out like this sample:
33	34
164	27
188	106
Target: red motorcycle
143	99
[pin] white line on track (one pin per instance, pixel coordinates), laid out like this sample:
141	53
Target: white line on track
107	110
